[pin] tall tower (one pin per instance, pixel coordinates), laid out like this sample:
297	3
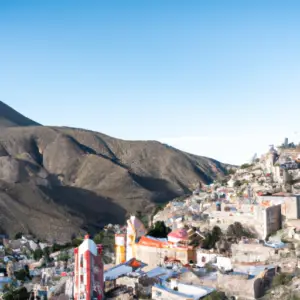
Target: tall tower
120	248
88	271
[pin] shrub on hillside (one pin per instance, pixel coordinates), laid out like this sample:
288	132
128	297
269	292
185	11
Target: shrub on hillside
237	183
238	231
216	295
246	166
281	279
231	171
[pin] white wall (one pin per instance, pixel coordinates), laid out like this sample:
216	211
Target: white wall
224	262
209	257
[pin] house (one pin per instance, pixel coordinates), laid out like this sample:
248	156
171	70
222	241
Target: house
290	204
180	291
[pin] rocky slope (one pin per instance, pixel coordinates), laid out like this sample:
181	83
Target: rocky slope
55	182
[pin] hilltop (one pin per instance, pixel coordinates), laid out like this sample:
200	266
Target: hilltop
58	181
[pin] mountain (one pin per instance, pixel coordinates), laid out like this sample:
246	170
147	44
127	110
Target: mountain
57	181
9	117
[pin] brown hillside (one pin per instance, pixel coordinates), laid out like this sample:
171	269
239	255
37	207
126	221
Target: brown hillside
55	181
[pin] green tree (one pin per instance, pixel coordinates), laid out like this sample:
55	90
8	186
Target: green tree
21	275
211	238
63	256
98	238
159	230
216	295
8	296
77	241
238	231
38	254
281	279
46	254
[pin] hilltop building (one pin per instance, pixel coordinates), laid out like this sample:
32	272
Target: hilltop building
88	271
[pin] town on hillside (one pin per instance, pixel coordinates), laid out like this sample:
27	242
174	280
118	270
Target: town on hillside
237	238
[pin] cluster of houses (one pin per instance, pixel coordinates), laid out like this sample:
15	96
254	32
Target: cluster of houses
19	266
168	268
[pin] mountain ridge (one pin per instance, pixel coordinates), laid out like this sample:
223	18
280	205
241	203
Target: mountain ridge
70	180
10	117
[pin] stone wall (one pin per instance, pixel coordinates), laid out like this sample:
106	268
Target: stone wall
248	253
236	285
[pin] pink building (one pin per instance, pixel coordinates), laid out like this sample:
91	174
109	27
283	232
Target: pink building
88	271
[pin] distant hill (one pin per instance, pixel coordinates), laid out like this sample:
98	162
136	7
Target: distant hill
9	117
58	181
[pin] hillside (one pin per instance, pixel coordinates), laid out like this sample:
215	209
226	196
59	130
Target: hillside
55	181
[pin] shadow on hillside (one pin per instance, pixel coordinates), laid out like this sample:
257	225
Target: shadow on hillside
95	210
162	188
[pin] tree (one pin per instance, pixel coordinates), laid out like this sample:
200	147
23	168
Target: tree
159	230
238	231
76	242
216	233
212	238
63	256
98	238
216	295
18	294
281	279
38	254
18	235
46	254
20	275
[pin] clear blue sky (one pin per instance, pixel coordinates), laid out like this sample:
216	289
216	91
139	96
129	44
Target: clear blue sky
216	78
